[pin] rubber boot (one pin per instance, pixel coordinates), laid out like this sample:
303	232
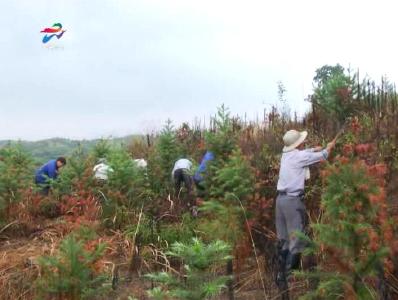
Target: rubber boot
280	279
281	275
309	265
292	263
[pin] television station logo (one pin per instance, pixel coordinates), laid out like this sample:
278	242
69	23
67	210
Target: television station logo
51	33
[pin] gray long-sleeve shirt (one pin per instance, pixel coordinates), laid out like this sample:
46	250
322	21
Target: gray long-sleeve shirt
293	167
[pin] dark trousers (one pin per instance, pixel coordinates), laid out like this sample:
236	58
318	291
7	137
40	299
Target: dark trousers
290	216
181	176
44	188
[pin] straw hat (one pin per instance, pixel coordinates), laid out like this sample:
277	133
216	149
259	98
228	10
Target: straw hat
292	139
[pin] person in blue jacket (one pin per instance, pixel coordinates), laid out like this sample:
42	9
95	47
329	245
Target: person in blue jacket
48	171
198	176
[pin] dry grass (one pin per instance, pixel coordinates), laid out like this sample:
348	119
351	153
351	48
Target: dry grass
18	269
18	256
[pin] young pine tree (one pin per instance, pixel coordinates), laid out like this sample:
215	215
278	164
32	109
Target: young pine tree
101	149
126	190
197	282
222	139
16	176
351	236
162	161
233	180
72	273
232	184
76	175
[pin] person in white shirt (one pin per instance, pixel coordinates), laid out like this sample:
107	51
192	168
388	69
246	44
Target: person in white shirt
141	163
101	170
182	174
290	210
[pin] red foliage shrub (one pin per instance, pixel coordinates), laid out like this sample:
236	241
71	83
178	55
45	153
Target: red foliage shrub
394	248
348	149
378	170
343	160
357	195
81	206
355	125
374	242
364	188
362	149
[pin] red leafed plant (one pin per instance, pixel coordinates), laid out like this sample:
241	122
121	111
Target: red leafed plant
355	125
363	149
82	206
354	234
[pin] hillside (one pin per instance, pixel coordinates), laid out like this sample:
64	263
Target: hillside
44	150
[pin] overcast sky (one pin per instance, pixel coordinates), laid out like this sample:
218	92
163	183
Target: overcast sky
124	66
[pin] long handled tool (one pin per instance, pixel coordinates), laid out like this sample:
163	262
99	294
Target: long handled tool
340	132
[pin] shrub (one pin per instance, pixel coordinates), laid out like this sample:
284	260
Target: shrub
126	177
162	160
197	282
222	139
101	149
16	176
182	231
233	180
351	234
72	273
126	191
333	91
221	221
75	176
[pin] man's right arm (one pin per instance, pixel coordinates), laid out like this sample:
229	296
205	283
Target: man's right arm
310	158
331	145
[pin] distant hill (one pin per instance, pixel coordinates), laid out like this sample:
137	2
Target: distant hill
52	148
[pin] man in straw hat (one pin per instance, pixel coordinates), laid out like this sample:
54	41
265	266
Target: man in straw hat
290	209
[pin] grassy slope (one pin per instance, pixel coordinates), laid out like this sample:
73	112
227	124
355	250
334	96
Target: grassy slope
51	148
